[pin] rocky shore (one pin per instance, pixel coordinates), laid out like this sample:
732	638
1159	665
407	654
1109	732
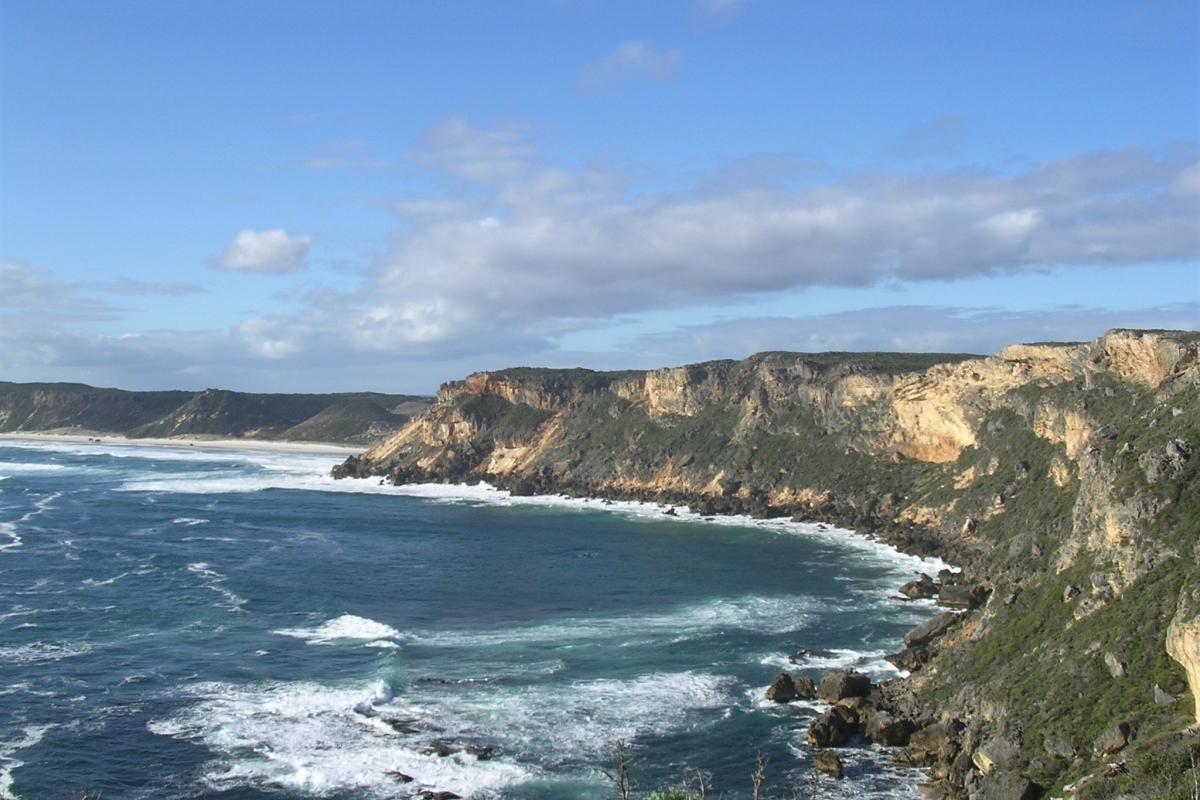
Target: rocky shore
1061	477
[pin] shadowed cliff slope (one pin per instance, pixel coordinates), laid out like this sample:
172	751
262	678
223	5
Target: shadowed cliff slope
1060	476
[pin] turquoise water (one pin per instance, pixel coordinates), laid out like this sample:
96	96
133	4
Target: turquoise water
179	623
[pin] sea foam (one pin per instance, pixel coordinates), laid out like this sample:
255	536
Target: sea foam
345	627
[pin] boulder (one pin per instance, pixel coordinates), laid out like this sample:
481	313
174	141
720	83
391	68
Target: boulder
1112	740
829	763
994	753
805	688
1006	786
1116	667
782	689
828	730
929	744
931	629
848	712
843	683
1161	697
883	728
1060	746
920	589
910	659
962	596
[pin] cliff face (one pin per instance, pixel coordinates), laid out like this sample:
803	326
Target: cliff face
1061	476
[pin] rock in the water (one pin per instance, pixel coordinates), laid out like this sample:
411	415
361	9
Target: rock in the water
432	795
441	749
931	629
782	689
843	683
828	730
883	728
1112	740
1116	667
805	689
829	763
399	777
482	752
920	589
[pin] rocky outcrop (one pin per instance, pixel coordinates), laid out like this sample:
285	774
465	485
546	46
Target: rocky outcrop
1061	477
1183	640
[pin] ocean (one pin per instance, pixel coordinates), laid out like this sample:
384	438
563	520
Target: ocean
181	623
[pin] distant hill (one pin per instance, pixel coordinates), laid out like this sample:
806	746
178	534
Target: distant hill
359	418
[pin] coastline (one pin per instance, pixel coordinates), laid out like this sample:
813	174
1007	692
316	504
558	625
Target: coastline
308	448
485	492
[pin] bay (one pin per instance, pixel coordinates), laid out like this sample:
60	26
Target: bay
179	623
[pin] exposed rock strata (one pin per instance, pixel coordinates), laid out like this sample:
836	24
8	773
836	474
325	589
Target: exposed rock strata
1061	477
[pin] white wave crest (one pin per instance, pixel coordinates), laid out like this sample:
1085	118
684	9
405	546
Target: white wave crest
279	734
8	468
41	652
871	662
345	627
30	736
213	580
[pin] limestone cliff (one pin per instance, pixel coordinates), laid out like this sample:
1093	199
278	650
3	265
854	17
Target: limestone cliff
1060	475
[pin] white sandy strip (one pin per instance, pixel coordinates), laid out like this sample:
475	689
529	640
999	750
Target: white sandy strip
185	441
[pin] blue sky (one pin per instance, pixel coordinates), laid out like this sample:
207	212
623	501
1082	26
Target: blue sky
371	195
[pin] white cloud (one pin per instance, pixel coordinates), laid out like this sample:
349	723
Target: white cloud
265	251
525	251
546	250
631	60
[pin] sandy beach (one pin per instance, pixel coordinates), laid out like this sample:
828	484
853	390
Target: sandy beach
85	437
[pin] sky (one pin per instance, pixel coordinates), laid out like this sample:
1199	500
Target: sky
301	196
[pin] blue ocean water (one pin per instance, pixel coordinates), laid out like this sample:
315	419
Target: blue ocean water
177	623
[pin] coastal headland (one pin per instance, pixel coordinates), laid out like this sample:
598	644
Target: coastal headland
1059	476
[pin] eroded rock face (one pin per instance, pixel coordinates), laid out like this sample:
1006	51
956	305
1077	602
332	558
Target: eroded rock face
1183	640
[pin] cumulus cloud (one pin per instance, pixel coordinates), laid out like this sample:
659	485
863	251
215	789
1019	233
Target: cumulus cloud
272	250
630	61
548	250
517	252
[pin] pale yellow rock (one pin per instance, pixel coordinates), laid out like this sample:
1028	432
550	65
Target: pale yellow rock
1183	640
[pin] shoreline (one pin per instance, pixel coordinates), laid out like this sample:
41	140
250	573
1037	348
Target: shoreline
182	442
485	492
